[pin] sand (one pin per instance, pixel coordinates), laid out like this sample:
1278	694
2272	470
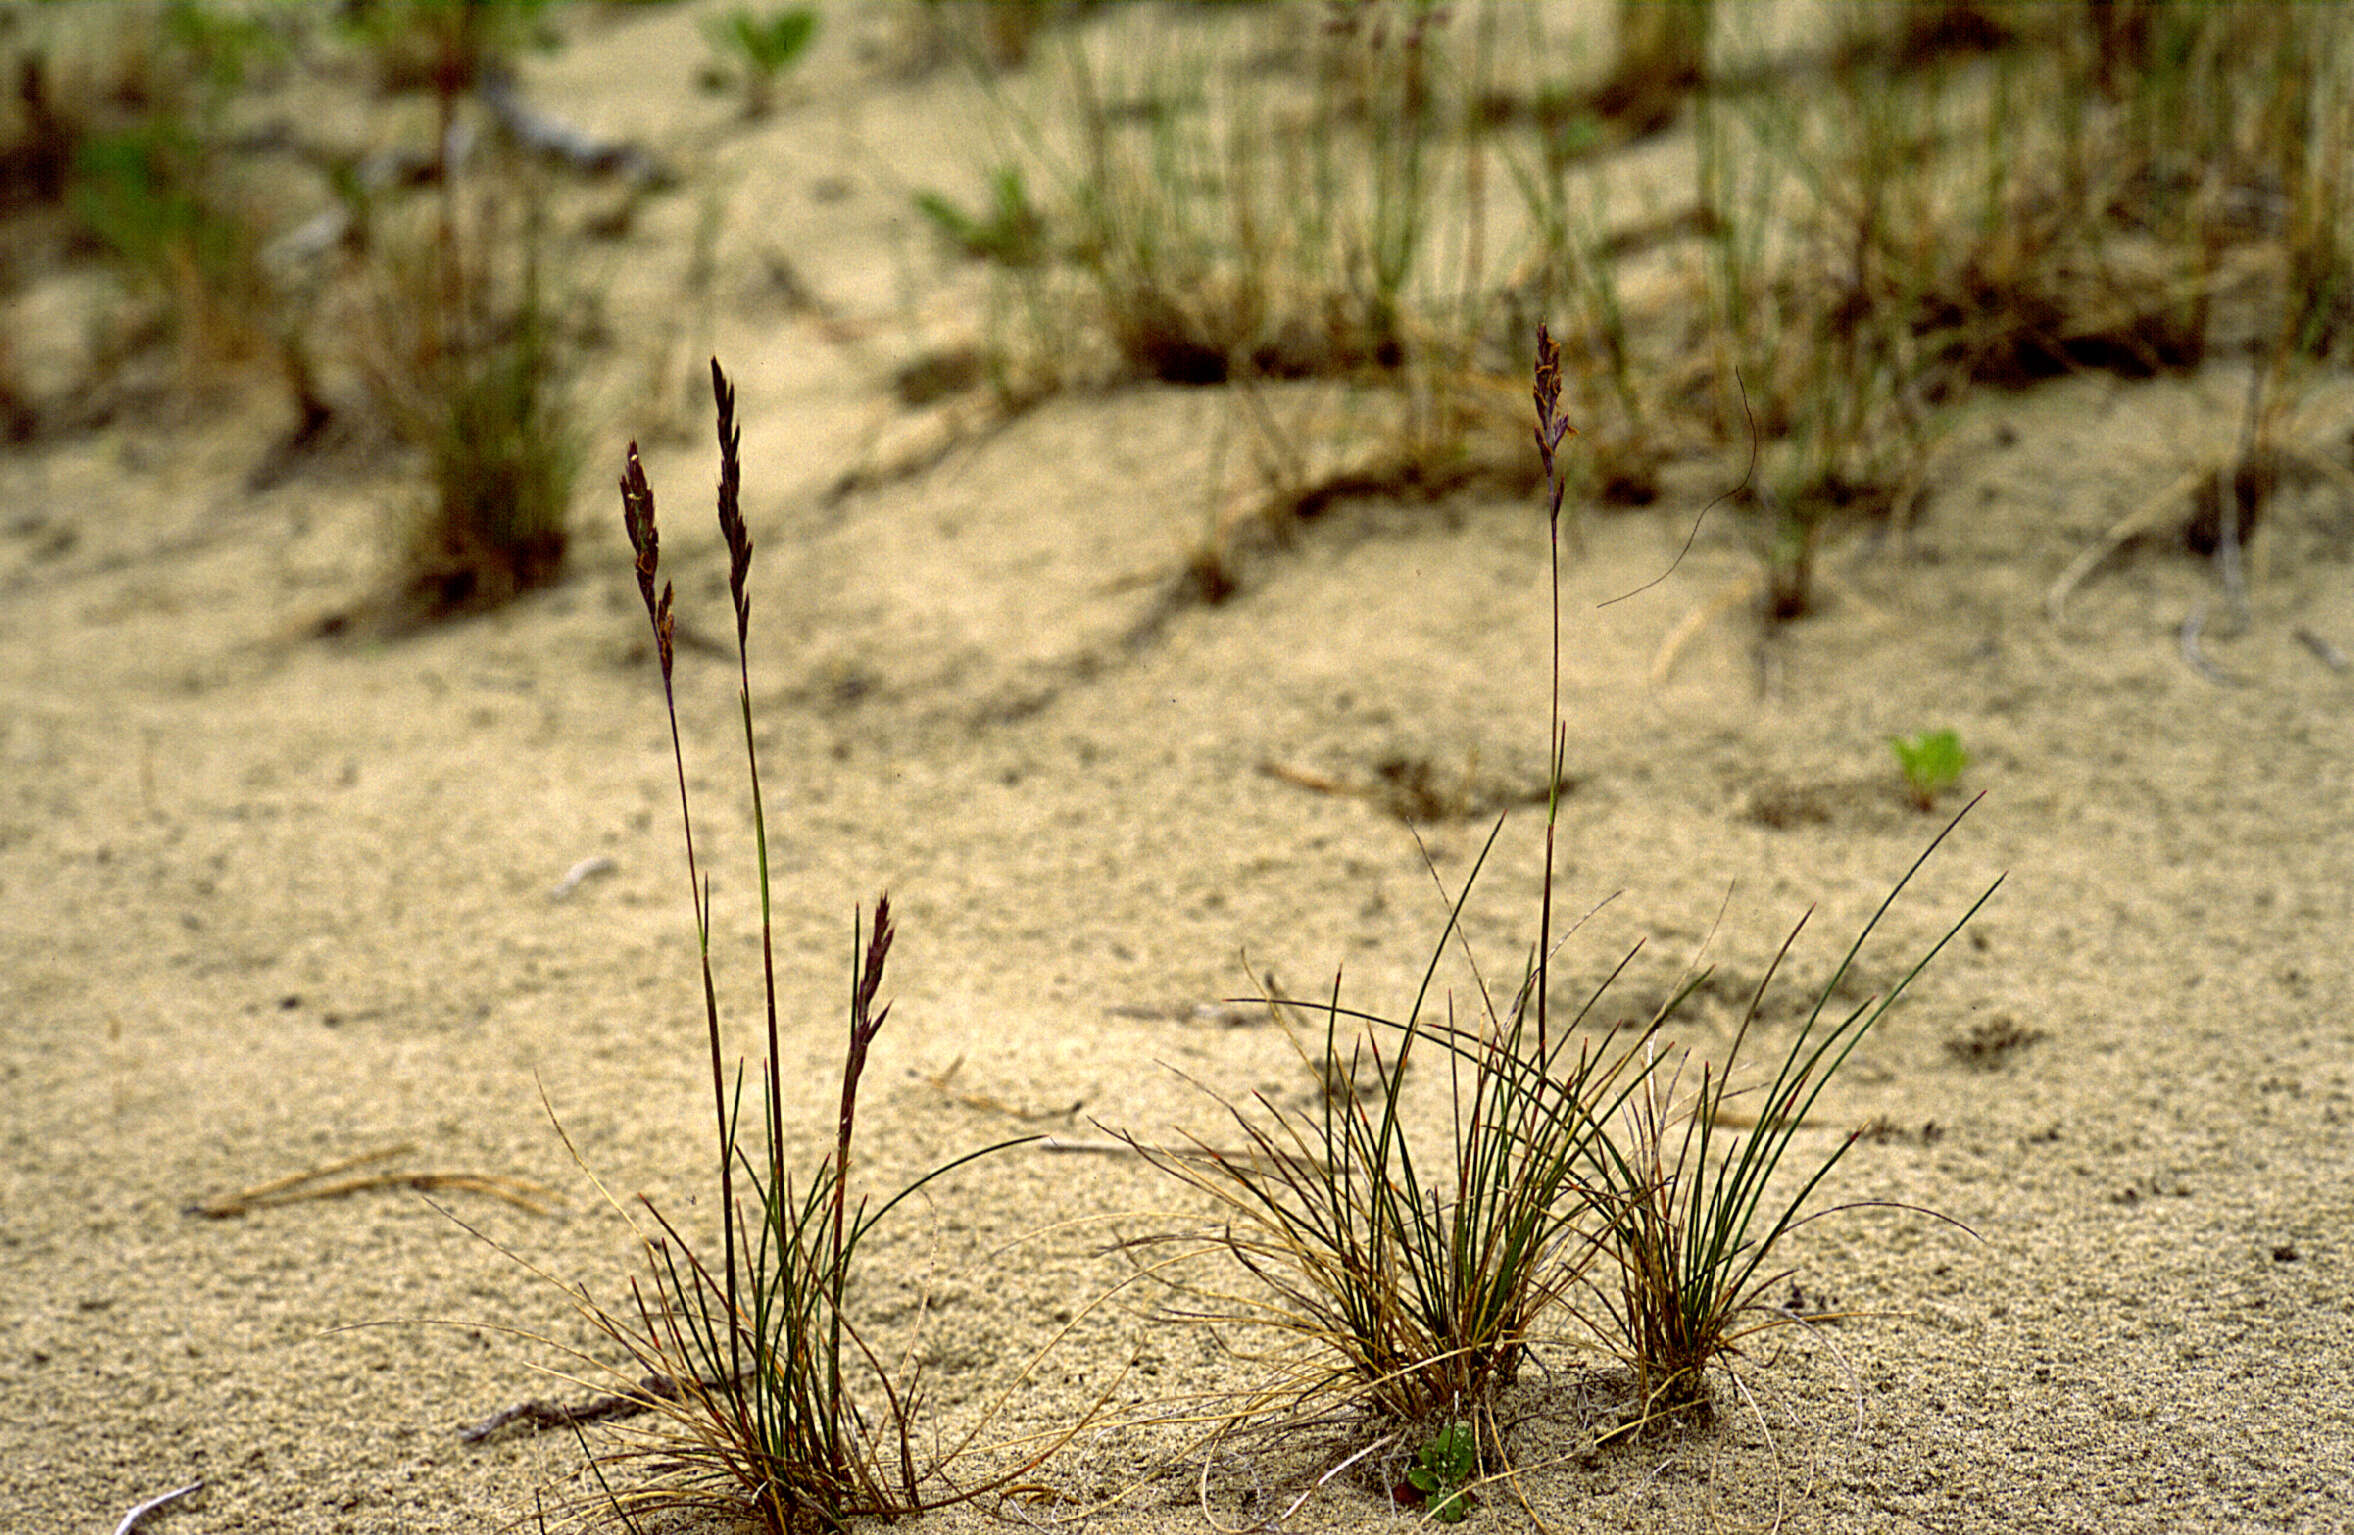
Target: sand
268	901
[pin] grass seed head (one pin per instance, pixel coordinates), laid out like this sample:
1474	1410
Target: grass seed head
731	512
637	515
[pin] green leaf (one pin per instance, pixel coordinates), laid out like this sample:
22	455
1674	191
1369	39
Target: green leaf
1931	761
1441	1467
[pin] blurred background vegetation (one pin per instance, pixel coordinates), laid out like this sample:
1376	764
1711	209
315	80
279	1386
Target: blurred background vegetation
1818	243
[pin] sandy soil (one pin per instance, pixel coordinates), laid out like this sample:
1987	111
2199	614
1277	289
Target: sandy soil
268	901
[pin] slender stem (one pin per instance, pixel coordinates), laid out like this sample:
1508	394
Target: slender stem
701	894
739	549
1552	430
1556	745
865	1024
842	1127
775	1115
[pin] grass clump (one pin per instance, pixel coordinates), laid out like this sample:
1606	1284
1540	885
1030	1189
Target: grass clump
1954	200
1405	1279
1228	234
1571	1185
1285	200
768	1400
463	351
1864	236
466	348
1680	1184
120	119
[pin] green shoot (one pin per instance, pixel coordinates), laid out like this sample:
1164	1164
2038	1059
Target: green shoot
1442	1470
1011	233
1931	762
765	46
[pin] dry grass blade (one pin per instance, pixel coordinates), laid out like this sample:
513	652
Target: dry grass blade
138	1516
324	1183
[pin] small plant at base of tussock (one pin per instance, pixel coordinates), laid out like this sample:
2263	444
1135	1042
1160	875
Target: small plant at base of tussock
1443	1466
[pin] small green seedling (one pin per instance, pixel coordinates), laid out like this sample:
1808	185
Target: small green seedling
766	47
1931	761
1011	232
1440	1471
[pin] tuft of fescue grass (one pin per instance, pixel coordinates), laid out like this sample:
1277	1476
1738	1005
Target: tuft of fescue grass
766	1399
1680	1186
463	352
1396	1277
1408	1280
1403	1279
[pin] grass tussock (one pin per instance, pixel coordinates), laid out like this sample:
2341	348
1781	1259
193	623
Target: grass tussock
765	1397
115	142
247	245
1945	210
1391	1268
1279	203
1680	1185
463	352
464	349
1403	1279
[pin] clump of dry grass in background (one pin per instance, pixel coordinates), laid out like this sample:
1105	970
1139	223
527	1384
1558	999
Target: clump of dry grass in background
463	347
1346	215
130	133
2013	193
1291	204
464	356
115	140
